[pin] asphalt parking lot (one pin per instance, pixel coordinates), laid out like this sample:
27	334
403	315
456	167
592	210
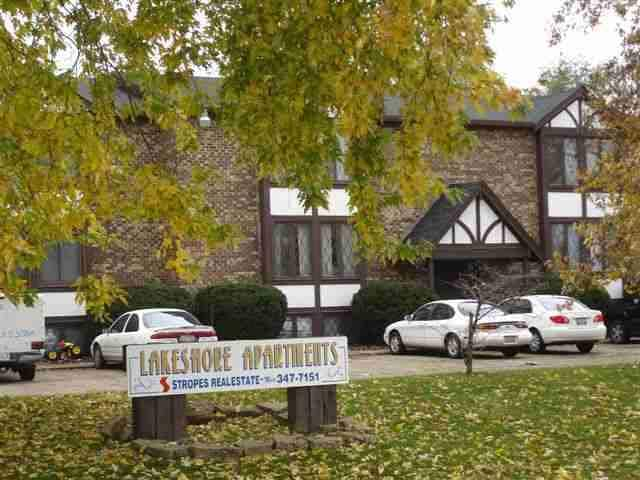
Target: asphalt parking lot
362	366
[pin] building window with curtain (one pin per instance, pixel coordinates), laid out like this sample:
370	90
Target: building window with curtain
337	255
566	241
63	265
595	149
566	157
332	325
297	326
336	169
561	161
292	250
338	173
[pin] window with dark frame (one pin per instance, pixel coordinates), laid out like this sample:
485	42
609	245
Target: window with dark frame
63	265
566	241
566	156
292	250
297	326
338	172
332	325
561	161
595	149
337	254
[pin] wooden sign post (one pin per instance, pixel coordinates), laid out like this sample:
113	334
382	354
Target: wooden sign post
161	375
160	418
311	407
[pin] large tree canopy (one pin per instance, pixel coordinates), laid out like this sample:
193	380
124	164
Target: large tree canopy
295	75
614	99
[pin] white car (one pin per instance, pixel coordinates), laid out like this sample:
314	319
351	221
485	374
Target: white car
152	325
559	320
444	325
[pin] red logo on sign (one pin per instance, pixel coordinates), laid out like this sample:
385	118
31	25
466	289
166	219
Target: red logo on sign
165	386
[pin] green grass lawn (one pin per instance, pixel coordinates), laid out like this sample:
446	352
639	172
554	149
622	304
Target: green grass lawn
551	424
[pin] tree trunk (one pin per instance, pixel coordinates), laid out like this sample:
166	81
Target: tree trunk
468	352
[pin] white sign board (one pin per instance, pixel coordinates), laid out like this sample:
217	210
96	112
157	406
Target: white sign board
186	368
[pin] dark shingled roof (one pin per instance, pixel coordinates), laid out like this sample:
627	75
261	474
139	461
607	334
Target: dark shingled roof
210	86
444	212
542	107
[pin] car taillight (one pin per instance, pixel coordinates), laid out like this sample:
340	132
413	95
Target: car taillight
598	318
37	345
487	326
560	319
178	334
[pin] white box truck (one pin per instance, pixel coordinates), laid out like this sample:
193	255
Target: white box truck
22	334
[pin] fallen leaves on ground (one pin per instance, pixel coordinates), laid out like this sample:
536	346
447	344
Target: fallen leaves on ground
571	424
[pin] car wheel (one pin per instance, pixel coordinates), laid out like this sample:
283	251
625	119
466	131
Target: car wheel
453	346
27	373
585	347
618	333
98	359
510	352
395	343
537	344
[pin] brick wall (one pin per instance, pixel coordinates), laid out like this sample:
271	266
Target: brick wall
233	193
504	158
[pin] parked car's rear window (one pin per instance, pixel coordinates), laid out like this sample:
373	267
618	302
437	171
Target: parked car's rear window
486	309
562	303
169	319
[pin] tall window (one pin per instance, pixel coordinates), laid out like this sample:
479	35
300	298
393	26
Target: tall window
337	250
297	326
561	161
566	241
595	148
63	264
564	157
337	170
338	173
292	250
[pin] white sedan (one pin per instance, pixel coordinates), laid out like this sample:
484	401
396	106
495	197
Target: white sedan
444	325
152	325
559	320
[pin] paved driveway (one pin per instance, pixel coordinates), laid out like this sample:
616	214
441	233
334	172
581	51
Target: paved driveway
85	380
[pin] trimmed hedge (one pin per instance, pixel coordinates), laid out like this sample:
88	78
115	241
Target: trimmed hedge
242	311
380	303
153	294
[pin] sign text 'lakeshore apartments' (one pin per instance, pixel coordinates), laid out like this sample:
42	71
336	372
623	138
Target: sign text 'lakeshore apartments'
186	368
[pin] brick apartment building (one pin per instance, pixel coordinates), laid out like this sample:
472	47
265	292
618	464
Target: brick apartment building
518	205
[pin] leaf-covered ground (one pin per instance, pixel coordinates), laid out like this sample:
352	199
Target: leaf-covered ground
554	424
237	428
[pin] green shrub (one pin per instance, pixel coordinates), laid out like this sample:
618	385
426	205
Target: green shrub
380	303
596	297
551	285
153	294
242	311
